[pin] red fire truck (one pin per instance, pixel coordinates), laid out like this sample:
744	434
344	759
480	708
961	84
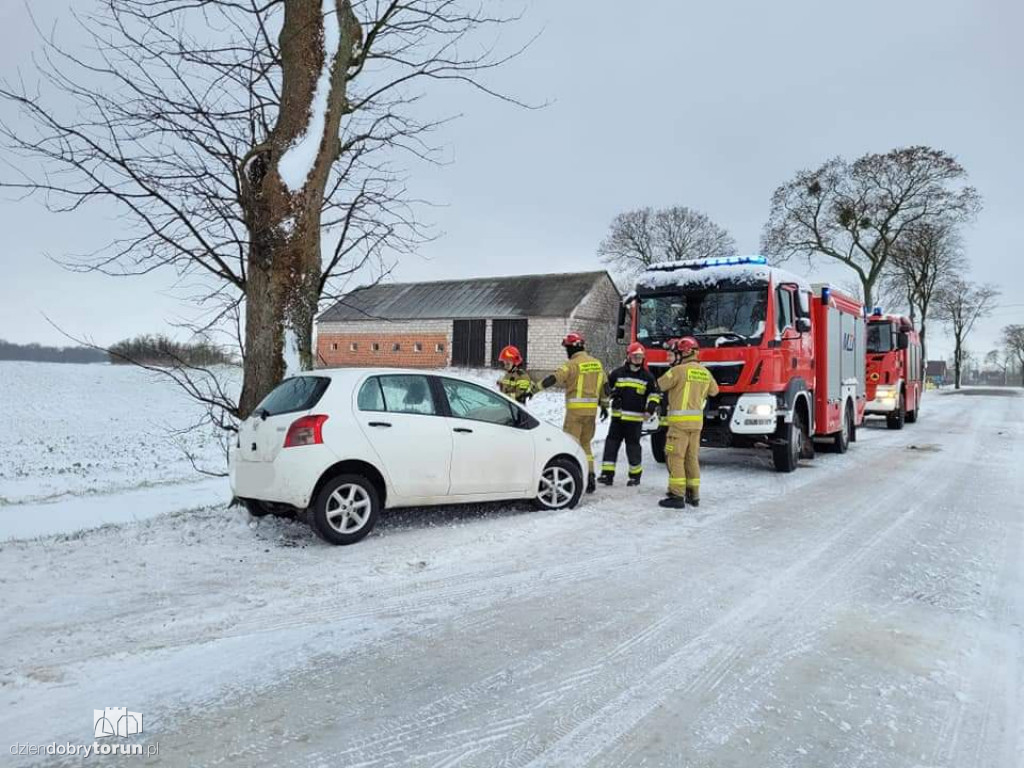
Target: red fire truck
894	383
788	357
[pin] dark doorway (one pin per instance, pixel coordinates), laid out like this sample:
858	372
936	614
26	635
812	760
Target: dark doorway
469	343
505	332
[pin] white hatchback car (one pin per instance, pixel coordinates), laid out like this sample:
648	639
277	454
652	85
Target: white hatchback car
339	445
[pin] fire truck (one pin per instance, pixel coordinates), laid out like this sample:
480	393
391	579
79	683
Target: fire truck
894	380
788	357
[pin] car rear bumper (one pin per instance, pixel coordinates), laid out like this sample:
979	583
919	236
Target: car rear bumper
289	479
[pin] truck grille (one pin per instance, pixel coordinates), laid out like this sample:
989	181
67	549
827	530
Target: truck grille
726	374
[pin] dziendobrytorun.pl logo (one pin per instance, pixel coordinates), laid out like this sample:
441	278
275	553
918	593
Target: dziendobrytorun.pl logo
111	724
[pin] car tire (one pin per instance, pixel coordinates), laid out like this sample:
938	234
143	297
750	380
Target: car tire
554	490
345	510
658	441
256	508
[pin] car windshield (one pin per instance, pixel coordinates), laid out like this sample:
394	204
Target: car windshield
879	337
727	316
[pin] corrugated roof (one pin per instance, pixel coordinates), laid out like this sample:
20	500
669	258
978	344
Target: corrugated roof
555	295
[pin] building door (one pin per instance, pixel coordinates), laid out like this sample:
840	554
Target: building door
469	343
505	332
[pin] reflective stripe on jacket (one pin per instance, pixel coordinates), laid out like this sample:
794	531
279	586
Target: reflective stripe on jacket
516	384
583	379
631	392
687	388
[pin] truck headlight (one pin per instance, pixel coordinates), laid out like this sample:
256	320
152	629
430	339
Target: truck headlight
763	409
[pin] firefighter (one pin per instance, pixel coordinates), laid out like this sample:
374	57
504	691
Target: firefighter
686	385
516	382
634	394
583	378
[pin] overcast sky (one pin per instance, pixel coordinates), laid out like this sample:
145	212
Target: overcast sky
705	104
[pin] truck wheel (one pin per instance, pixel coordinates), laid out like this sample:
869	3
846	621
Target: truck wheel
895	419
912	415
786	456
658	440
345	510
842	437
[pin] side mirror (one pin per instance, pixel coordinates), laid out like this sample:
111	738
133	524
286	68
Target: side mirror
902	340
620	332
803	324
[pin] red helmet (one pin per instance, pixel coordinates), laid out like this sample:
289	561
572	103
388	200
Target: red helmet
685	346
636	348
512	355
573	339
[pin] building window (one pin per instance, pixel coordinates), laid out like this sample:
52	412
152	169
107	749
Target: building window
417	347
396	347
334	346
439	347
353	347
375	347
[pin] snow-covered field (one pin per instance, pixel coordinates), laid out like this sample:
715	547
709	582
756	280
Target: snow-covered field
866	610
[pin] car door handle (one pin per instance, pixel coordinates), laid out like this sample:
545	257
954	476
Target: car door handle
463	429
380	423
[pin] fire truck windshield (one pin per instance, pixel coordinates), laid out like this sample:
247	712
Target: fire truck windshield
727	316
880	337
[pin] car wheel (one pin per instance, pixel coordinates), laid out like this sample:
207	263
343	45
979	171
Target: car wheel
561	484
345	510
658	441
256	508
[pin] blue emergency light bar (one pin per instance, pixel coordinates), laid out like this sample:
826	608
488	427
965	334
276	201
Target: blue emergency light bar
717	261
826	292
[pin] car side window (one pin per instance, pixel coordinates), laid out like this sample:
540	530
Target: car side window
468	401
370	396
408	393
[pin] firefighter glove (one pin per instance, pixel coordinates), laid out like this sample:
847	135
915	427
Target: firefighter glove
604	413
652	408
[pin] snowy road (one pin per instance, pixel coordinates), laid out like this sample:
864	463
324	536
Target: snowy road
866	610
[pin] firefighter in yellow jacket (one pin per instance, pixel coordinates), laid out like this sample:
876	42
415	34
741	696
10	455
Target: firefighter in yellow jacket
583	378
686	386
516	382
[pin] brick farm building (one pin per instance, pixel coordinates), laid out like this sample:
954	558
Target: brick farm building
465	323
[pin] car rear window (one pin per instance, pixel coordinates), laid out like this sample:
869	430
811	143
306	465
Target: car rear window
300	393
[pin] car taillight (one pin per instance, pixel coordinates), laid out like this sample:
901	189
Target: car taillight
306	431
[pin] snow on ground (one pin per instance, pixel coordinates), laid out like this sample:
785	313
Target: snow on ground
864	611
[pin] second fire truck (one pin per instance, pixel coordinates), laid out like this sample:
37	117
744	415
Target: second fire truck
894	375
788	357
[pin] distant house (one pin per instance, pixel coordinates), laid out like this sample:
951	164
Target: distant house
935	372
468	322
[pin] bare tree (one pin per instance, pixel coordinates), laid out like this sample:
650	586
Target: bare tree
960	304
636	239
1013	343
858	213
997	359
249	147
928	256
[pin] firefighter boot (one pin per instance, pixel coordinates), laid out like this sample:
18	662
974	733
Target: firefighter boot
633	480
692	499
606	478
591	483
673	502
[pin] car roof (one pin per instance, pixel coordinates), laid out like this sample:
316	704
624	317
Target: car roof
352	374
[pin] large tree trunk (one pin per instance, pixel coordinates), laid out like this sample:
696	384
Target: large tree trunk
283	186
